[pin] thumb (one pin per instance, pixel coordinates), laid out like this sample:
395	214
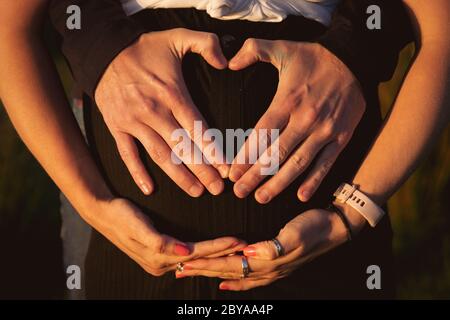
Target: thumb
207	45
252	51
264	250
289	239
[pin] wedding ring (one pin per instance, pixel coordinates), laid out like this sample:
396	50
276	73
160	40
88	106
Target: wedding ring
278	247
180	266
245	267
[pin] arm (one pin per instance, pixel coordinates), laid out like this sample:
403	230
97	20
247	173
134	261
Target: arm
35	102
420	113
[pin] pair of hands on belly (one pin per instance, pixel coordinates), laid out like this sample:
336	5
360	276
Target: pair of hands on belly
142	95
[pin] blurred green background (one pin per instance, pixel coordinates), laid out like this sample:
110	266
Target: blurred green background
31	264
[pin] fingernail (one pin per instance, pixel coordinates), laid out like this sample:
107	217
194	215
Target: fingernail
242	189
250	251
223	286
224	171
145	188
196	190
235	244
216	187
235	175
262	196
306	194
187	266
182	250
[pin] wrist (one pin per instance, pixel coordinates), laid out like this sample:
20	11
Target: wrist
355	220
88	204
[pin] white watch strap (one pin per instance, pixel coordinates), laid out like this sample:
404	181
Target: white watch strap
349	194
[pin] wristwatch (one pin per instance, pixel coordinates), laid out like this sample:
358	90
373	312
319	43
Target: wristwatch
350	195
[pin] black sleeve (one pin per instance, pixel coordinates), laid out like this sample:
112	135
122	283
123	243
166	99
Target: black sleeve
105	31
370	54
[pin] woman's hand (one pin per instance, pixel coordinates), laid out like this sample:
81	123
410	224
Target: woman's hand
307	236
142	95
317	106
132	232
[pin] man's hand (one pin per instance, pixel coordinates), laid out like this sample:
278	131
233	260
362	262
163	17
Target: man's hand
142	95
317	106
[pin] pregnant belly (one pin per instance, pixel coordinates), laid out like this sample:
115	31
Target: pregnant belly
228	100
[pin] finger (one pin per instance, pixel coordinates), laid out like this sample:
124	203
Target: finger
323	165
257	142
252	51
244	284
295	165
228	264
269	162
188	116
185	150
206	273
130	156
264	250
207	45
211	248
161	154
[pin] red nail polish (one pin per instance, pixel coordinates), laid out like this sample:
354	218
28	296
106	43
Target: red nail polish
181	250
224	287
235	244
187	267
250	251
179	275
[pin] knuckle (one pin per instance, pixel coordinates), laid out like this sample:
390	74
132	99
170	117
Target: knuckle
211	39
326	166
204	174
148	106
310	115
252	177
125	153
294	97
252	44
157	246
188	182
343	137
270	251
299	161
329	129
283	152
158	155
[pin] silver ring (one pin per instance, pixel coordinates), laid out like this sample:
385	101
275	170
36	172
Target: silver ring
278	247
245	267
180	266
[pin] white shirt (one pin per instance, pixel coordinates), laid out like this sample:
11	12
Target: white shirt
253	10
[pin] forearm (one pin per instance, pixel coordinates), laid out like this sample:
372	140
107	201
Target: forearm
419	115
35	102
